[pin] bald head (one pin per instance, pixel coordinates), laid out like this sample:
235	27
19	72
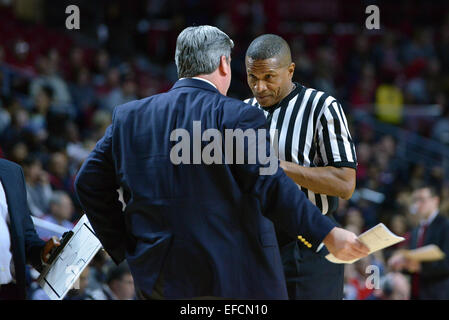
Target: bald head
269	46
269	69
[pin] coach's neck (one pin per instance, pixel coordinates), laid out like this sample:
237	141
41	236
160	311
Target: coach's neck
221	77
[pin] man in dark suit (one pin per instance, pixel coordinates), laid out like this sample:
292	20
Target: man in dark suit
193	227
429	280
19	243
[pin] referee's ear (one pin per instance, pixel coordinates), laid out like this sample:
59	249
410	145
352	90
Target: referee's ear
291	70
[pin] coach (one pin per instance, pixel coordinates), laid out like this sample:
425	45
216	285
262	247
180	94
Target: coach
316	151
196	230
19	242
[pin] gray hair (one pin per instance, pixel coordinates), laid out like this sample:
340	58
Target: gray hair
199	49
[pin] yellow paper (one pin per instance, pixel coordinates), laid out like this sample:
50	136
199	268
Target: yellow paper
376	238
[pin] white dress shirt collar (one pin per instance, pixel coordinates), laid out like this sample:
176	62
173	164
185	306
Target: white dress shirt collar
202	79
5	240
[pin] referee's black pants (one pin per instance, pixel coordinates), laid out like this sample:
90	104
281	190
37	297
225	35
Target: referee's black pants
309	275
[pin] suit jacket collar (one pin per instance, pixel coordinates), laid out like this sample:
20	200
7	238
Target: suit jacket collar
437	221
427	222
10	185
431	229
193	83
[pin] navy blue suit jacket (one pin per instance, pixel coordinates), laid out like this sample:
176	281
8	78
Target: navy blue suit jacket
208	229
26	246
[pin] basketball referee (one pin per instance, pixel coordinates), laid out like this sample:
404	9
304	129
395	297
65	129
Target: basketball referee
316	151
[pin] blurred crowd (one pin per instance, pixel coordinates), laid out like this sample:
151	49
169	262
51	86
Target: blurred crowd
56	100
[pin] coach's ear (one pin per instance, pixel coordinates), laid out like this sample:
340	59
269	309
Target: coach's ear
225	66
291	70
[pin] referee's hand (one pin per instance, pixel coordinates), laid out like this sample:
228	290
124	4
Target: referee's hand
344	245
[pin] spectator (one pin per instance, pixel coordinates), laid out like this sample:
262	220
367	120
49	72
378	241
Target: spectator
420	47
58	167
363	94
355	219
387	53
389	100
110	86
364	156
101	121
98	268
440	131
82	91
18	152
14	132
61	210
430	280
39	117
357	279
38	187
5	117
22	58
120	95
325	66
48	76
398	225
394	286
360	55
119	284
76	149
80	290
100	69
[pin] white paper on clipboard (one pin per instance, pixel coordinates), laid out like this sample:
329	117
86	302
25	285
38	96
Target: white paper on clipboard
58	278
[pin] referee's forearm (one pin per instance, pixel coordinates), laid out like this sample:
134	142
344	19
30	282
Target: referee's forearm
332	181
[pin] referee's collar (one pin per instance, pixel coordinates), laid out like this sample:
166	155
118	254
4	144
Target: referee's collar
284	102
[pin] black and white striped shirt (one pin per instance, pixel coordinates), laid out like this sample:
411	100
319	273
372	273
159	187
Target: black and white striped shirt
312	132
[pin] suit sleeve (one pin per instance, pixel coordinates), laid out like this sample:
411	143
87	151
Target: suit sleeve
280	198
96	188
33	244
438	268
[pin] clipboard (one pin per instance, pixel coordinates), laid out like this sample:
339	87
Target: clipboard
77	249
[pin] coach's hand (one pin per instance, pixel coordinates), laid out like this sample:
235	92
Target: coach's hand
344	245
49	247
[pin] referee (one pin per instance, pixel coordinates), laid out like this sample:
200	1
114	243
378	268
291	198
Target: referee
316	151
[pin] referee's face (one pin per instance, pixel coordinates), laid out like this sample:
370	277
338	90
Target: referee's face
270	80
